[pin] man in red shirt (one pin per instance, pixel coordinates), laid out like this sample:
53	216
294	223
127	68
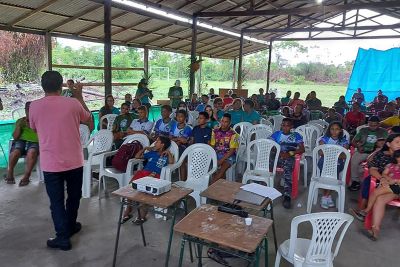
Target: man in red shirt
353	119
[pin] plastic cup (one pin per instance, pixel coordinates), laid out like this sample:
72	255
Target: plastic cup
248	221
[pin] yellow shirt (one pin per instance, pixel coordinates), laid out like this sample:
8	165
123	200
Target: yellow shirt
392	121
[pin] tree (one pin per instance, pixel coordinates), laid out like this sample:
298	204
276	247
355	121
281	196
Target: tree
21	56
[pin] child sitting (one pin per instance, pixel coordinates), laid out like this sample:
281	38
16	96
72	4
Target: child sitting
121	124
163	126
201	134
334	136
181	132
157	156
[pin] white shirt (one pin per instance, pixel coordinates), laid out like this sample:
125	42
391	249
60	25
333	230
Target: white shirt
138	125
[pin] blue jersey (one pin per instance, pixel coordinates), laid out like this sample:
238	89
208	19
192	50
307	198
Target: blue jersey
288	142
155	162
326	140
162	128
184	132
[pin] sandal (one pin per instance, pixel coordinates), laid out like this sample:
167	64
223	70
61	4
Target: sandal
9	180
126	218
359	214
370	234
24	182
139	221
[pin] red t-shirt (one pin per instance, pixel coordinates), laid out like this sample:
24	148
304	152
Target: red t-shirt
227	101
354	118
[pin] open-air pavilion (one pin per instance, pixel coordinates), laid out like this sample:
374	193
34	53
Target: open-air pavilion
226	29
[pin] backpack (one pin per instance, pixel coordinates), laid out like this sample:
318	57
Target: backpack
124	154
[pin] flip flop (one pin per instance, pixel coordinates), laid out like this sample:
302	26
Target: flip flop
9	180
126	218
369	234
24	182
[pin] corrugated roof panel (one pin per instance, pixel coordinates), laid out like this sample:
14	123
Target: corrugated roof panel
74	26
71	7
24	3
127	35
40	21
172	29
9	14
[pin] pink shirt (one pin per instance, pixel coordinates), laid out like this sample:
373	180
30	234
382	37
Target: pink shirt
56	120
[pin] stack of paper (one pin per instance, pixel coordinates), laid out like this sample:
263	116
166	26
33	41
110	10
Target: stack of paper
262	190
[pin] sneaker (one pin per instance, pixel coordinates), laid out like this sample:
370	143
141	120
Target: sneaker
286	202
63	244
331	203
355	186
324	202
76	229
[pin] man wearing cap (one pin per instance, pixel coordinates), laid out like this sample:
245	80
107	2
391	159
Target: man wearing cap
143	93
175	94
364	141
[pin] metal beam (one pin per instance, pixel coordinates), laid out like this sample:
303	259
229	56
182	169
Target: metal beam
146	61
49	51
32	12
338	38
107	48
303	10
192	78
269	64
240	70
233	74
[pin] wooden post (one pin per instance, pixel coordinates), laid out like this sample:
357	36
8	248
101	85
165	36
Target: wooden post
49	51
199	82
269	64
146	61
192	78
107	48
234	73
239	78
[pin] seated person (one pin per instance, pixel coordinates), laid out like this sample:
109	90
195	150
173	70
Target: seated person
332	116
298	117
286	111
341	105
194	102
212	122
225	141
157	156
391	121
261	97
25	143
353	119
228	99
135	105
201	134
272	103
121	125
236	111
181	132
254	98
291	144
108	108
218	111
389	110
358	97
249	114
313	103
69	92
189	117
128	99
285	100
142	125
295	101
396	102
203	104
164	125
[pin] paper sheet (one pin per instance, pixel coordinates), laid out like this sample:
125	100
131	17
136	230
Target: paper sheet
262	190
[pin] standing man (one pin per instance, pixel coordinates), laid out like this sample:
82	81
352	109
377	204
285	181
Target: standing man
175	94
56	120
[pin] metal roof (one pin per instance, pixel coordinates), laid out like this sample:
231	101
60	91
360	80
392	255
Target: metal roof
83	19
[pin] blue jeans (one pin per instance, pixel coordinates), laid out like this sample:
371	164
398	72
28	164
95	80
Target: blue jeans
64	214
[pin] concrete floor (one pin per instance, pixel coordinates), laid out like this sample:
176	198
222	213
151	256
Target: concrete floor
25	225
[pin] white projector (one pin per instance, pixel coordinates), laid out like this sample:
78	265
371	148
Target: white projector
152	185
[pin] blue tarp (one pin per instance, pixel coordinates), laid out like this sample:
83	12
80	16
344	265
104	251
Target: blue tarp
374	70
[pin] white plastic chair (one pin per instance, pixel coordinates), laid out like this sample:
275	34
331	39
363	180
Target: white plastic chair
317	251
276	121
18	113
323	123
347	135
242	129
121	177
110	120
101	142
84	134
258	131
261	165
201	164
266	122
327	178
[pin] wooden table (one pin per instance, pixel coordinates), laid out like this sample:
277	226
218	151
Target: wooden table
223	231
171	199
225	192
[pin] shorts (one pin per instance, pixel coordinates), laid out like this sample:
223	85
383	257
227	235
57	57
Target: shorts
143	173
24	146
395	188
231	160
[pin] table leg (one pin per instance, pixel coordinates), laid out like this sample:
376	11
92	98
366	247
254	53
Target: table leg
266	252
182	250
257	259
171	233
273	227
200	251
186	213
118	231
141	227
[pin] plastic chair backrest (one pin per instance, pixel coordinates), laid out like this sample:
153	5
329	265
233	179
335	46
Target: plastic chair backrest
276	121
360	127
18	113
110	120
310	133
142	138
102	141
331	156
326	226
259	131
241	127
347	135
195	114
174	149
263	148
266	122
84	133
201	163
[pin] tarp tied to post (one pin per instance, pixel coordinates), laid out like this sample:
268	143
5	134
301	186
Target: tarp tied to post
374	70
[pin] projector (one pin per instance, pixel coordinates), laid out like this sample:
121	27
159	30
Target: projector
151	185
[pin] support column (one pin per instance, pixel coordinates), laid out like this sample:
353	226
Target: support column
239	80
146	61
192	79
107	48
269	64
199	82
48	51
234	74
